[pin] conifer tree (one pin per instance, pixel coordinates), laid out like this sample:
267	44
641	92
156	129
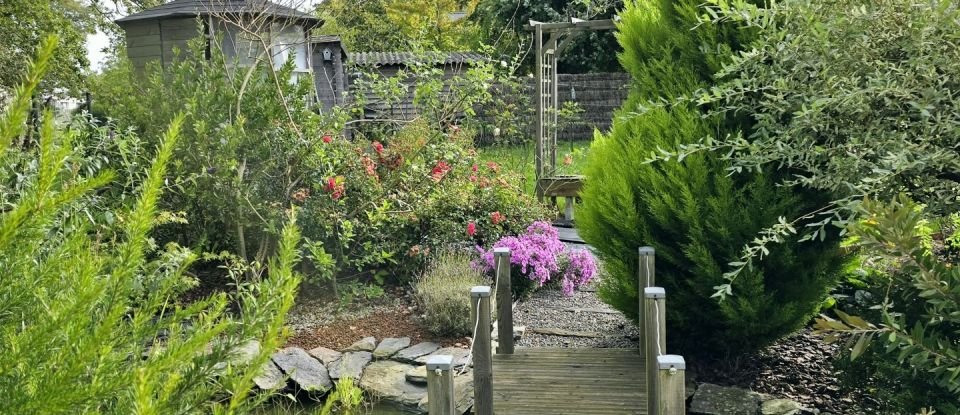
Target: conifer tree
693	212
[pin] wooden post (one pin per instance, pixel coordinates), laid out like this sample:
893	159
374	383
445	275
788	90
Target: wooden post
501	257
656	334
482	359
671	398
538	73
440	394
645	278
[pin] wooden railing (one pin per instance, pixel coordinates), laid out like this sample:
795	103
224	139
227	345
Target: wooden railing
664	372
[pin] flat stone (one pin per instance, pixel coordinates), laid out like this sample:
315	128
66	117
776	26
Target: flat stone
240	356
308	373
350	365
325	355
460	356
463	391
386	380
410	354
713	399
417	375
780	407
366	344
389	346
270	377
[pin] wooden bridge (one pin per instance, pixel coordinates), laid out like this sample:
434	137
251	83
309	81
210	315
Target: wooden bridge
557	381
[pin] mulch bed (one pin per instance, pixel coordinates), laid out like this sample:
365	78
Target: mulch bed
317	321
799	367
399	322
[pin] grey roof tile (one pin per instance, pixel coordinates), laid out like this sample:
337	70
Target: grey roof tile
188	8
403	58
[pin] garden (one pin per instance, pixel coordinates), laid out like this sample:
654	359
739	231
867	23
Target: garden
204	234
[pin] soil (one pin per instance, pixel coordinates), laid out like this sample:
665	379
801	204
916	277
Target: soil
320	322
799	367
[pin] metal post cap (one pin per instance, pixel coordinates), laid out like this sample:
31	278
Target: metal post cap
480	291
654	292
442	362
501	251
647	251
671	361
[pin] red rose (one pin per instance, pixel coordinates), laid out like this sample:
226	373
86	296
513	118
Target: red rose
497	218
471	229
377	147
327	139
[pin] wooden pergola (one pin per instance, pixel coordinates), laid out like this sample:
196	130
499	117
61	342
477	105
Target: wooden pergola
550	39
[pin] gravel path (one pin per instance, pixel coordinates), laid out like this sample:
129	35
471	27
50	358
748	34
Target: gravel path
548	308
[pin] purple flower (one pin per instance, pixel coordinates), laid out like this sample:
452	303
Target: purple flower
539	254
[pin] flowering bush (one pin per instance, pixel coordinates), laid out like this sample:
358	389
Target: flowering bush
384	205
539	257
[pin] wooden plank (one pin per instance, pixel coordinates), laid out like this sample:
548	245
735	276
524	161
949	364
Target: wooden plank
569	381
552	331
561	186
568	235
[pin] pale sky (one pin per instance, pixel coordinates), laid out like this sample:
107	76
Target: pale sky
98	41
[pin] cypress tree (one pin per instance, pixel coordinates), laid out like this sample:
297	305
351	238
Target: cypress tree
696	215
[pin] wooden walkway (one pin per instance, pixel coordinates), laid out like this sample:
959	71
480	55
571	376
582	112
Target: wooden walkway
569	381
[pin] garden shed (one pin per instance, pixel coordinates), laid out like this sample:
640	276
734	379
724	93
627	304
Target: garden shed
154	34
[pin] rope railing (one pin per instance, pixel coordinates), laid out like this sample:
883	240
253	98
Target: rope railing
441	369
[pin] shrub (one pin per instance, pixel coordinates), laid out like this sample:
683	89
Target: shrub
914	337
88	321
692	211
443	293
374	205
538	257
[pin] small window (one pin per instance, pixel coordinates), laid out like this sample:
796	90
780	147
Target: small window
289	41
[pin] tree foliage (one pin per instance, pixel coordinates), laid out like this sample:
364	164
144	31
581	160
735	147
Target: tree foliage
26	23
504	24
694	213
89	320
399	25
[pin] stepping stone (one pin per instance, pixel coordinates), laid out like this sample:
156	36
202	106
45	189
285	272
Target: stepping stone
713	399
308	373
417	375
271	378
241	356
350	365
325	355
410	354
780	407
460	356
389	346
386	380
366	344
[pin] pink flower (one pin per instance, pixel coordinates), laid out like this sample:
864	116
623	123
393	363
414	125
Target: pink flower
471	229
377	147
497	218
493	166
474	168
335	187
327	138
439	170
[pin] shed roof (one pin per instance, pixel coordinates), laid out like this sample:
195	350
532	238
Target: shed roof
403	58
192	8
